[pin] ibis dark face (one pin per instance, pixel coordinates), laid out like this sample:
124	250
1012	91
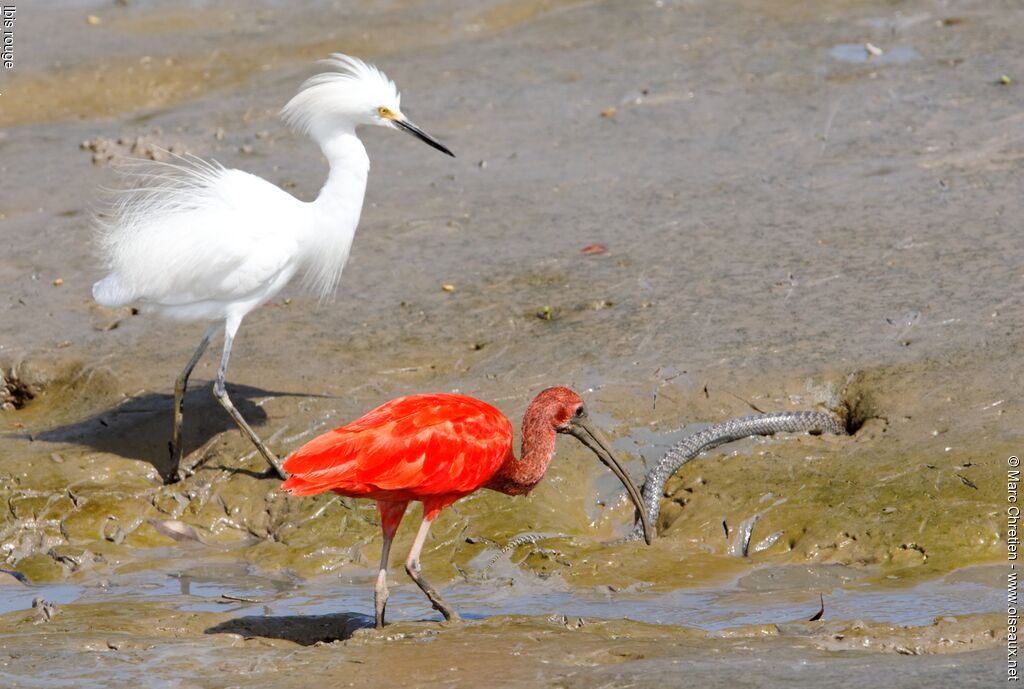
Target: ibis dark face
580	427
407	126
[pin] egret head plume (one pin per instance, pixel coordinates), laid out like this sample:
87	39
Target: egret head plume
350	93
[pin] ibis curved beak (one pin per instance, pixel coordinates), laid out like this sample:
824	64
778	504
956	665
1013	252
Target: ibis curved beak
407	126
586	433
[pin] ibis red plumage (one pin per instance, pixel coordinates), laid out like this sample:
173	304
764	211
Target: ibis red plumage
436	448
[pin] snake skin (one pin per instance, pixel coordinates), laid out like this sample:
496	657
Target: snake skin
721	433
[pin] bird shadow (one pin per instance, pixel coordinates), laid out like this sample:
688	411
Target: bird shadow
305	630
140	428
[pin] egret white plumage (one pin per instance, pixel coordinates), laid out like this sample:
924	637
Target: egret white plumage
195	241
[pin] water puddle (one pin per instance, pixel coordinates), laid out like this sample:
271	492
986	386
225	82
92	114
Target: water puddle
766	595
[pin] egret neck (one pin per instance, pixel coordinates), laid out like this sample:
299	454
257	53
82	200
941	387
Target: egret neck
336	210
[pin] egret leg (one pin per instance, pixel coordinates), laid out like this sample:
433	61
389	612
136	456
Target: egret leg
221	393
412	567
390	517
180	386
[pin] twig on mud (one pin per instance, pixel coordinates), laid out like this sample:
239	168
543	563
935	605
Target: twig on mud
817	616
833	111
745	401
239	599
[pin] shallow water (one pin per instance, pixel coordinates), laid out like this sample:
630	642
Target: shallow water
766	595
205	618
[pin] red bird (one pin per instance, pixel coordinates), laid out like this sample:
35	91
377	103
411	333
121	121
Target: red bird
437	448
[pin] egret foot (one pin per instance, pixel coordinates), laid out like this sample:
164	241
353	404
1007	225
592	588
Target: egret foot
184	471
222	396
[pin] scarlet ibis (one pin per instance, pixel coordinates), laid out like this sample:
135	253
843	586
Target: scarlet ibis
435	449
199	242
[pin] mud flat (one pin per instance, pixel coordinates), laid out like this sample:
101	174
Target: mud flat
790	224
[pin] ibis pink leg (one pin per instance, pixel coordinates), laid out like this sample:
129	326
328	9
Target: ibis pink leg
412	567
390	517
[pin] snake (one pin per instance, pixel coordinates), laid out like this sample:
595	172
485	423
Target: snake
528	538
814	422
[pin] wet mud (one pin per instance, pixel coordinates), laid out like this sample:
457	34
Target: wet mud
790	223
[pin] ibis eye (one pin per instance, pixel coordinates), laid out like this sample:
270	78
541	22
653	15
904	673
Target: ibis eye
580	411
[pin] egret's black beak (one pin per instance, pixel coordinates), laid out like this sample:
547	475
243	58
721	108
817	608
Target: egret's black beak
408	126
584	431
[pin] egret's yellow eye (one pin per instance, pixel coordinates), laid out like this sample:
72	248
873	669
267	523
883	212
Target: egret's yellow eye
385	113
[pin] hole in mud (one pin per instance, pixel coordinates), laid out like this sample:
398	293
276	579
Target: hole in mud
856	406
60	388
14	393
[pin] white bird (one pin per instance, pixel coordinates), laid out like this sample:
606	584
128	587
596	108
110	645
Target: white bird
195	241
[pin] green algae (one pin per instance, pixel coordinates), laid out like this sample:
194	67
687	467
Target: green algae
891	499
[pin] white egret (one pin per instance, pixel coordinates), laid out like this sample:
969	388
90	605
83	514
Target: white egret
195	241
